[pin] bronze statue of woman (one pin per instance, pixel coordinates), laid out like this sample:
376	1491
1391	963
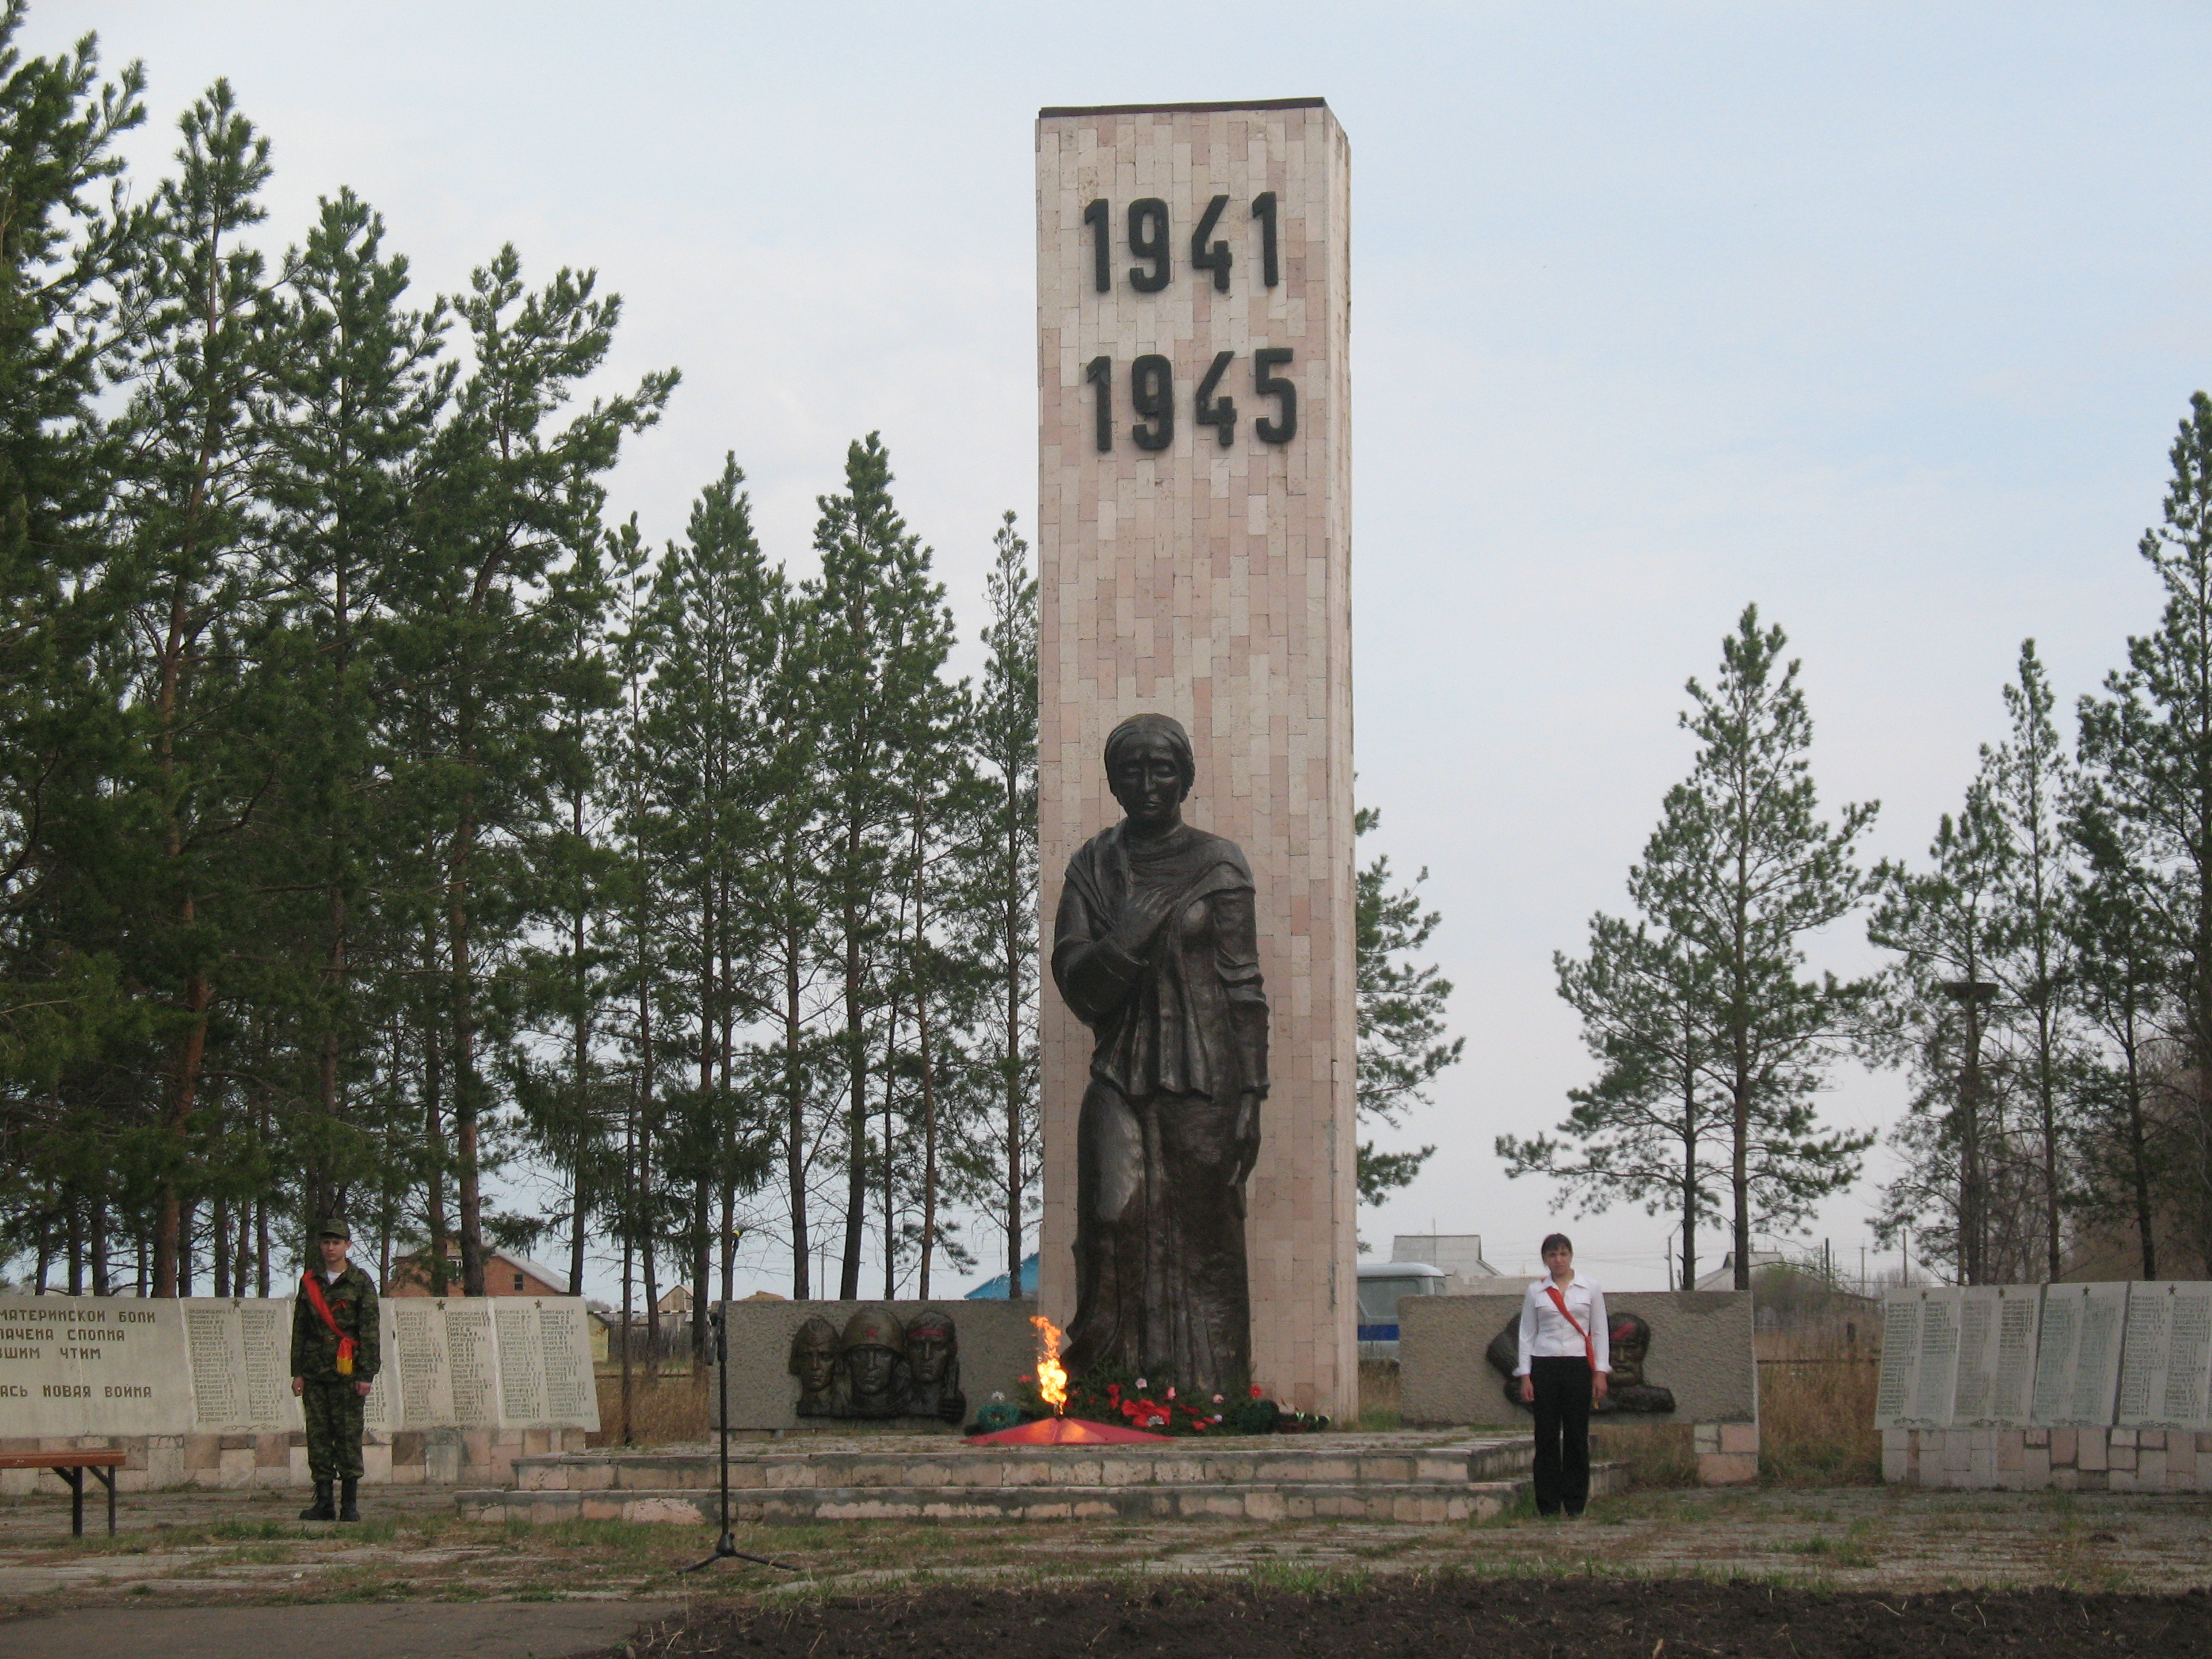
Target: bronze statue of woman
1156	949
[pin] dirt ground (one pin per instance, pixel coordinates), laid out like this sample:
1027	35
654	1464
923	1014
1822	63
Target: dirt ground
184	1548
1430	1615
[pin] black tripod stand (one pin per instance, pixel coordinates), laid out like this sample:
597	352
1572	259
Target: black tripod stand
725	1548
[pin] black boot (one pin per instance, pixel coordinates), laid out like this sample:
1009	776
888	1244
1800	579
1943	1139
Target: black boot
320	1510
348	1509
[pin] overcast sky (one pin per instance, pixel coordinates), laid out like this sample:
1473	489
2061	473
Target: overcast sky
1881	317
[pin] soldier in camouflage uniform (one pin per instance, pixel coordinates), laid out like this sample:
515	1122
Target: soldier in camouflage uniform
333	1376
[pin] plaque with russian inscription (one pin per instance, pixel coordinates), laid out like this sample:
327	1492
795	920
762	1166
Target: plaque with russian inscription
1919	1359
522	1367
564	1356
218	1360
1899	1381
416	1358
2166	1356
239	1353
264	1332
472	1360
73	1365
2077	1357
1995	1385
379	1410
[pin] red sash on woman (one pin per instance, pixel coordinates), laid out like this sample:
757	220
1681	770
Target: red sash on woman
1590	1352
310	1283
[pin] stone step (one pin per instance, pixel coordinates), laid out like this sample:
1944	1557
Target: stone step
1414	1503
1266	1464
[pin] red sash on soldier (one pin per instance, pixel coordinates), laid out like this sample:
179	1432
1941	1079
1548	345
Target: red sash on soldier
1553	1290
311	1284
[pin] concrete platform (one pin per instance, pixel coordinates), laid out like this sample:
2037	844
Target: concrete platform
1415	1478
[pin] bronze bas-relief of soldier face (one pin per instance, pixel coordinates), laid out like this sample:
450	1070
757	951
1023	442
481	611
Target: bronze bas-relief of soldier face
874	1343
1630	1339
928	1351
814	1359
871	1371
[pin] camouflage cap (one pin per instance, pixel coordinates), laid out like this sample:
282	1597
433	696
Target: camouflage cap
334	1226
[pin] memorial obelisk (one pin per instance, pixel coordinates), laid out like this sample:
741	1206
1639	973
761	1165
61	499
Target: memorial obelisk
1193	531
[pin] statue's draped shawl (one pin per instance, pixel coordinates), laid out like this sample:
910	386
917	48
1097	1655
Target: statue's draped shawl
1158	1014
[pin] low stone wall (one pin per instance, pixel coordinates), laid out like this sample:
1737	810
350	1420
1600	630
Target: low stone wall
994	1340
1701	1351
2048	1459
423	1458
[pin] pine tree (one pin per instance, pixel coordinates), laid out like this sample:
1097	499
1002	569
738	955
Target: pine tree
2146	750
2122	984
792	1062
884	714
356	393
997	903
515	493
714	746
2027	781
570	1098
1401	1014
1755	870
1966	1192
70	268
1654	1127
194	424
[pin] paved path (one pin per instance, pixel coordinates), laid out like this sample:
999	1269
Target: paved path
483	1630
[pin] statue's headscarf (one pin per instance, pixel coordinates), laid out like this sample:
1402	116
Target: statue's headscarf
1139	727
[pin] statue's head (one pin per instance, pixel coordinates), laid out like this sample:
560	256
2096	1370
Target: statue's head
929	1342
874	1341
1631	1337
1150	767
814	1355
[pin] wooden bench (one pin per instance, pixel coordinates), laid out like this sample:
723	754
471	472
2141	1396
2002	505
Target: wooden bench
71	1466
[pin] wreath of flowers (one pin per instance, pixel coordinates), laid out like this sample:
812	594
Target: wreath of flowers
1242	1410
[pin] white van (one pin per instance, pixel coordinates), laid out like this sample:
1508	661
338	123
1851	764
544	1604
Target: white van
1381	1285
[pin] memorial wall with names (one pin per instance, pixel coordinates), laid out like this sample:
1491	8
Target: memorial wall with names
2130	1355
122	1366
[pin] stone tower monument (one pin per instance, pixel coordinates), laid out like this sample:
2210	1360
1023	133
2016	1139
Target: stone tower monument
1193	530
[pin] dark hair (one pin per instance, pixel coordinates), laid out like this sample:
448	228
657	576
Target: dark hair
1154	725
1555	1242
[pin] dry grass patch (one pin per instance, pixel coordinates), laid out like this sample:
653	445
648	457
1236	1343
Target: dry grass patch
1816	1389
1658	1455
669	1409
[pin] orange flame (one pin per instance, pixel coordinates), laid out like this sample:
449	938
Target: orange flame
1051	1375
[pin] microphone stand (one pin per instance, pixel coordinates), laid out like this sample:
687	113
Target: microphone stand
726	1546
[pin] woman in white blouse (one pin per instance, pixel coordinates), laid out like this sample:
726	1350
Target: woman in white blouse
1564	1357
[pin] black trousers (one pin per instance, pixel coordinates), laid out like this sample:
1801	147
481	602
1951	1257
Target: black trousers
1563	1411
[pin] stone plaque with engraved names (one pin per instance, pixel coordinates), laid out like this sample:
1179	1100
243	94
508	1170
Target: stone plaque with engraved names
472	1363
522	1367
414	1359
1899	1382
378	1412
1995	1385
122	1366
2168	1354
2077	1362
564	1353
239	1351
1919	1359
